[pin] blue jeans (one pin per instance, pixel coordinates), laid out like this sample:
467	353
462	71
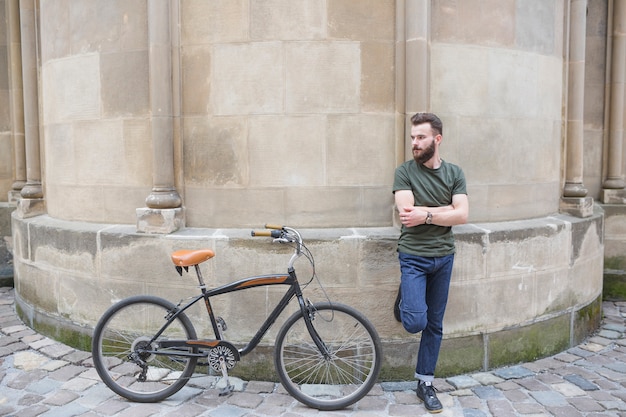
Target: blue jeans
424	284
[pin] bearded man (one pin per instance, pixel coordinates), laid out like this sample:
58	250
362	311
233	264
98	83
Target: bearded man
431	197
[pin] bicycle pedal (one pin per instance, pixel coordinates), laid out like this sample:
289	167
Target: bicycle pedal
221	324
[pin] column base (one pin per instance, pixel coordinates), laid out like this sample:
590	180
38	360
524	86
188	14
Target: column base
613	196
14	195
30	207
577	206
161	221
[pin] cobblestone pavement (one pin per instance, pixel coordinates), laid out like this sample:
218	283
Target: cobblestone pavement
41	377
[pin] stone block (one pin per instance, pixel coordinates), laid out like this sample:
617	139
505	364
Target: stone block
613	197
314	206
216	21
125	89
215	160
94	139
486	83
284	20
528	343
235	86
5	218
461	355
78	202
450	22
378	265
14	195
54	37
535	27
230	207
108	27
586	320
73	89
61	148
137	143
331	82
578	207
30	207
513	372
119	204
161	221
372	19
353	140
470	239
378	77
504	202
297	162
37	287
196	79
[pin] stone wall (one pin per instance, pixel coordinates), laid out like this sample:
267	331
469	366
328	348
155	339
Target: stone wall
299	123
519	291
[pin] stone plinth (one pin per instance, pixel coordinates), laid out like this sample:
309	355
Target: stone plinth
30	207
575	206
538	281
161	221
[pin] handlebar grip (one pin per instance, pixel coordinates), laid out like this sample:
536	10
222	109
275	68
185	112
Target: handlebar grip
273	226
268	233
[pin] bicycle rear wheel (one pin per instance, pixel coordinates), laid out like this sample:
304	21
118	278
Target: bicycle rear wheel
125	358
342	378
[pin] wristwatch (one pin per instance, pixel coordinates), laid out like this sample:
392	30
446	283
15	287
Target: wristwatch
429	218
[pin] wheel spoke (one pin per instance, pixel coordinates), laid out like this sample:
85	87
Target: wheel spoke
328	383
123	349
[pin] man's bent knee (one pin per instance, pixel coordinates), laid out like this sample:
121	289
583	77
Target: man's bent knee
414	321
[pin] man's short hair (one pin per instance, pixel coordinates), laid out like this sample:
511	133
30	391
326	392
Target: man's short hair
435	122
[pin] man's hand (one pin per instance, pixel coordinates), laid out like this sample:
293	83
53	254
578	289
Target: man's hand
412	216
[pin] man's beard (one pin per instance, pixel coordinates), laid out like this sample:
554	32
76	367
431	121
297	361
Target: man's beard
426	154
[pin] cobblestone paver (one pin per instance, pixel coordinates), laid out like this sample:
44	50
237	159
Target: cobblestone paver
41	377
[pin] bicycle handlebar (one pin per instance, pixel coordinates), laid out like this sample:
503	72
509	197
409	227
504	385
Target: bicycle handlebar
267	233
284	234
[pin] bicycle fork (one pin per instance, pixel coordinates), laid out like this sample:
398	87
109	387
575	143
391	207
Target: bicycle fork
308	312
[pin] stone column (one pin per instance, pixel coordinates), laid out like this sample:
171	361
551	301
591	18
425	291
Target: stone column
164	212
32	202
417	62
574	200
613	186
16	98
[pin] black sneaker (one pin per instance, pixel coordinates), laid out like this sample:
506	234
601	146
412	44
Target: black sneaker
426	393
396	306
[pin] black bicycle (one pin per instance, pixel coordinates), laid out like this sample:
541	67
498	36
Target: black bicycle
327	355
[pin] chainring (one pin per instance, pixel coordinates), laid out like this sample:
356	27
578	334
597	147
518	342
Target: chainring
219	353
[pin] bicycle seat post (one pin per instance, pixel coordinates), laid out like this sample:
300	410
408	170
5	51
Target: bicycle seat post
199	274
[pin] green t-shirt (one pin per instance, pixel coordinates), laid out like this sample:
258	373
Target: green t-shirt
431	188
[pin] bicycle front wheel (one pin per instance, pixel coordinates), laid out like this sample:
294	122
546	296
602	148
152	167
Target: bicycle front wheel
127	358
343	376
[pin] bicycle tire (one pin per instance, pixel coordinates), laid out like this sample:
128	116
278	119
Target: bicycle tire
124	329
344	378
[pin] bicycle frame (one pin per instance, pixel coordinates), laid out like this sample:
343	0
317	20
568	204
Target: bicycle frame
294	290
251	282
